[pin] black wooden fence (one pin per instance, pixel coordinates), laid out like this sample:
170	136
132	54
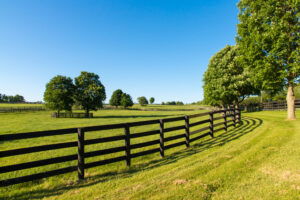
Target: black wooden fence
233	114
21	109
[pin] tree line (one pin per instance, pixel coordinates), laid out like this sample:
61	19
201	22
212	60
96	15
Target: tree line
11	99
86	91
265	58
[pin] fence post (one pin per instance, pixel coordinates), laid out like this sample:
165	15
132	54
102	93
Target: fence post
187	131
127	145
211	124
225	120
80	153
234	117
161	139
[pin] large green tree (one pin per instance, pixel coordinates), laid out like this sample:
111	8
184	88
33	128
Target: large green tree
225	80
142	101
126	100
116	97
59	93
90	93
268	35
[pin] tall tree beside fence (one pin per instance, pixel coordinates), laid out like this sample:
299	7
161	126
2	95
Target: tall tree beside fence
59	93
90	93
268	35
226	81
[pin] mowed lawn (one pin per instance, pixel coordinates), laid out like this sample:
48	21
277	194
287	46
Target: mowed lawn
260	159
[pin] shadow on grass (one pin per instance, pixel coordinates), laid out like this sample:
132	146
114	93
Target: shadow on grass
247	125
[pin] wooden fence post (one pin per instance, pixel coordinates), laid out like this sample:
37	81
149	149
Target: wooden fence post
161	139
127	145
234	118
225	120
80	154
187	131
211	124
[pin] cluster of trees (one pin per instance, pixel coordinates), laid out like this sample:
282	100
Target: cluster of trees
61	93
265	58
119	98
11	99
172	103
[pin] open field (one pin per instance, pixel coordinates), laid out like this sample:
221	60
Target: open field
258	160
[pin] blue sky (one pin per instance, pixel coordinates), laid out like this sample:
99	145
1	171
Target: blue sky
157	48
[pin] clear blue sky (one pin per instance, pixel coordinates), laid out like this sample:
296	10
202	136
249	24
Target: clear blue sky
157	48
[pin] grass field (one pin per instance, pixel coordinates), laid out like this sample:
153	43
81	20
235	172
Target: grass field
260	159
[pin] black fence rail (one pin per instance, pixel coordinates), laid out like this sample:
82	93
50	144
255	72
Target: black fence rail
72	115
225	119
21	109
267	106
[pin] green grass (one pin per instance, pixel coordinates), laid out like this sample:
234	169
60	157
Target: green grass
260	159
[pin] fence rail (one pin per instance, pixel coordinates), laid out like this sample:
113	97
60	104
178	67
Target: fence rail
21	109
126	137
267	106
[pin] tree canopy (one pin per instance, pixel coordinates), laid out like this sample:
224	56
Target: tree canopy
142	101
116	97
11	99
90	93
226	81
59	93
126	100
268	36
152	100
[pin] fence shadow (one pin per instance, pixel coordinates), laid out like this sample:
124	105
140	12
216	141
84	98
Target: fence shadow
247	125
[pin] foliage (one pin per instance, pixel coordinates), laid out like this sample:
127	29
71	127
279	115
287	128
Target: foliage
11	99
90	93
162	103
142	101
171	103
179	103
151	100
268	36
126	100
116	97
59	93
225	80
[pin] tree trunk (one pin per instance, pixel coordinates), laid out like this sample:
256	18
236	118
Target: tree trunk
87	113
290	99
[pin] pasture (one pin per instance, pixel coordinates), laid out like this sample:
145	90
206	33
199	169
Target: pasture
257	160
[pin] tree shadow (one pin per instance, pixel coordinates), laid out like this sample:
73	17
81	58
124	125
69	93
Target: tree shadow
247	125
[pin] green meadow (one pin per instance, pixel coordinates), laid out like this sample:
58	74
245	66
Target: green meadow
259	159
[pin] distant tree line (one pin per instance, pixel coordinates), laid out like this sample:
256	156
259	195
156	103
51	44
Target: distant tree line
172	103
11	99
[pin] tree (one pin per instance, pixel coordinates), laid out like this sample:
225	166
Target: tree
143	101
179	103
59	93
126	100
18	98
151	100
268	35
225	80
116	97
90	93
